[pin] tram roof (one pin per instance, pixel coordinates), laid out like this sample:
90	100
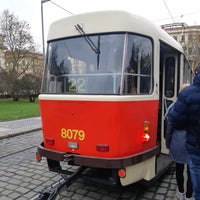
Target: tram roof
109	21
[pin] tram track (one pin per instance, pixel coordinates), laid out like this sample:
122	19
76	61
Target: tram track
20	149
54	192
17	152
20	143
18	164
58	189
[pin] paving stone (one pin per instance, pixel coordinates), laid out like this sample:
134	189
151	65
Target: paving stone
21	177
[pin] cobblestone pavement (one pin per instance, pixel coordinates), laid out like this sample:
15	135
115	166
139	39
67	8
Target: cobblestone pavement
21	177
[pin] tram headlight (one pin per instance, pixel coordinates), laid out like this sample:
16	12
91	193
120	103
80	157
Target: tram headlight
146	136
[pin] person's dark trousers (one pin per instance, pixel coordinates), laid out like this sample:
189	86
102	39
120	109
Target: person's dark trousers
194	165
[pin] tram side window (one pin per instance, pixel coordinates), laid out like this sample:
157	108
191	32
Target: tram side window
169	77
138	71
187	73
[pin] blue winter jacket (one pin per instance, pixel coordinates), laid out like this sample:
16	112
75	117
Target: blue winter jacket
175	140
186	115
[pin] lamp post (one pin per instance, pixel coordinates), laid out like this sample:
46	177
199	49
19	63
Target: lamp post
42	19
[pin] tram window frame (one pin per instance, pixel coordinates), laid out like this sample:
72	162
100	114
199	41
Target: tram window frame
115	76
51	87
138	68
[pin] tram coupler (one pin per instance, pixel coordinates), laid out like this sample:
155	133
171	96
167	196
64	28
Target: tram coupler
51	192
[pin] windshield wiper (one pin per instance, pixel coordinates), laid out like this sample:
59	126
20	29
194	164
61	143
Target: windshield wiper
87	38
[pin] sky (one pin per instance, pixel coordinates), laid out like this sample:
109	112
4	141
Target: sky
159	11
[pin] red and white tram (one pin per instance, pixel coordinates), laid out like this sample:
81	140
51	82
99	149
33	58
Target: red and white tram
107	79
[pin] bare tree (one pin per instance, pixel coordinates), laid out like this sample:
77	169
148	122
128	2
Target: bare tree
19	50
193	48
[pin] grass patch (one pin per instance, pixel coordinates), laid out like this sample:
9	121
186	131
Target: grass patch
11	110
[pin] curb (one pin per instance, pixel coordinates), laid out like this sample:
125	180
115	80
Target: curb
19	133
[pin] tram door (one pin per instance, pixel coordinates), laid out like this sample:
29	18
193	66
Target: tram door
169	90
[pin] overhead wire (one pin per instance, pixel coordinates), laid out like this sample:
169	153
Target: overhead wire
181	16
169	11
175	23
61	7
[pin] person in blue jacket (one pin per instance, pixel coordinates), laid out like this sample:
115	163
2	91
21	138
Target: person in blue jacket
175	142
186	115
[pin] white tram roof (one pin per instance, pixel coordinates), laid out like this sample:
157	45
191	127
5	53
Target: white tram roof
109	21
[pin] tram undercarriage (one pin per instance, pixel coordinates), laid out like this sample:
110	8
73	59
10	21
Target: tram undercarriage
147	164
106	176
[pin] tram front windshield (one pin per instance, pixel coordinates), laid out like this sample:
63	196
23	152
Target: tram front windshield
99	64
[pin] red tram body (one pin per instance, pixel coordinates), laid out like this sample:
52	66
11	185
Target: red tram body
115	129
110	125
